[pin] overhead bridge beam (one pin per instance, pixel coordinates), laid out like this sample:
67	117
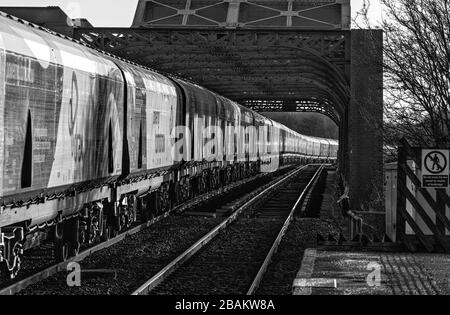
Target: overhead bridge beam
304	14
301	105
270	50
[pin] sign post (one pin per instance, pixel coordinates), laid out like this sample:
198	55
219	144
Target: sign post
435	168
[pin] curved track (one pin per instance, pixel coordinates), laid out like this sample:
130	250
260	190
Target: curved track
233	257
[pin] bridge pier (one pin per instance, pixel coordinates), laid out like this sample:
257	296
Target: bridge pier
365	120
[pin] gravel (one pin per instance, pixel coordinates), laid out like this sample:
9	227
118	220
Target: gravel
301	235
34	260
134	260
228	264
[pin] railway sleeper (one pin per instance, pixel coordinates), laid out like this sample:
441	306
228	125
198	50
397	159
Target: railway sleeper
127	208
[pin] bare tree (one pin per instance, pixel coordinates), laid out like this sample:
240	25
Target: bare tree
417	72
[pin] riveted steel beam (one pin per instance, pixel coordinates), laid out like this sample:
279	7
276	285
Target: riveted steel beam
296	14
292	105
238	64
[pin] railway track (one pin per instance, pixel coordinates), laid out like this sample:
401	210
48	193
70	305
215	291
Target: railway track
38	265
234	256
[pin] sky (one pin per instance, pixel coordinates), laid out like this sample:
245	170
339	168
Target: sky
120	13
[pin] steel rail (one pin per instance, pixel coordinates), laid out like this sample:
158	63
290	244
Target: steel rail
262	271
180	260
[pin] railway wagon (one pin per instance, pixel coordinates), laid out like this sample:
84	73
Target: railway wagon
90	142
334	150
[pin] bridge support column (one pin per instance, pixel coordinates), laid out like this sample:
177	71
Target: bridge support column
343	147
365	121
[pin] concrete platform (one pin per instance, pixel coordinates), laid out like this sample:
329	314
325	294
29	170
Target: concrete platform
352	273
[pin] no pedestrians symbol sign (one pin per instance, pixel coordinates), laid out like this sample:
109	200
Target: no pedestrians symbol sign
435	168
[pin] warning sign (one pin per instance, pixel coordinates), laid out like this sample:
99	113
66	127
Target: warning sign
435	168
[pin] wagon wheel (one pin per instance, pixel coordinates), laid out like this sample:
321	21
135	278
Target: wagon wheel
72	229
142	208
129	220
122	221
213	180
61	250
178	193
190	190
205	183
106	229
131	213
115	228
7	274
93	229
73	250
82	233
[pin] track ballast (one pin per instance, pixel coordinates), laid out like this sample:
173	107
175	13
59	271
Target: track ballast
230	262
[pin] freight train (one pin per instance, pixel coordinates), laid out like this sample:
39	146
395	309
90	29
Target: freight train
91	143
